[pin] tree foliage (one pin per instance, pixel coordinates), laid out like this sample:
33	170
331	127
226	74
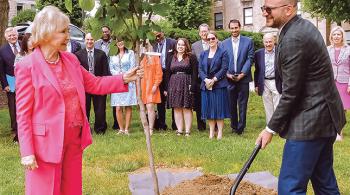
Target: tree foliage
23	16
335	10
188	14
76	14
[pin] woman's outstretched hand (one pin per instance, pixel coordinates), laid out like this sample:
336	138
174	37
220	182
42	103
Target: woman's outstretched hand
133	74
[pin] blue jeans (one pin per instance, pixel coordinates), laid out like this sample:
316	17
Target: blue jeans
308	160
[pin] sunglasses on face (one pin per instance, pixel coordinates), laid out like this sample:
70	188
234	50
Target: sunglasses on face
212	39
269	9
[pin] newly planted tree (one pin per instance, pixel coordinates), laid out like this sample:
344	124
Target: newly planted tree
132	20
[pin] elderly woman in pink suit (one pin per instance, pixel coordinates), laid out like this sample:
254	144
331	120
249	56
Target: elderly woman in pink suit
339	52
51	115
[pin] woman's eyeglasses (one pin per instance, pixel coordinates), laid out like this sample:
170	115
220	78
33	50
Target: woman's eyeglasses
269	9
212	39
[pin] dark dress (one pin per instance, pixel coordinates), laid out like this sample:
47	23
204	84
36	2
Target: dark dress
181	83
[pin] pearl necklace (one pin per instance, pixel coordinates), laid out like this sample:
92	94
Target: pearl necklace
53	62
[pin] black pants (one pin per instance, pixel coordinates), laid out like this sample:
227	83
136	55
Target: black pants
99	102
197	108
239	98
11	102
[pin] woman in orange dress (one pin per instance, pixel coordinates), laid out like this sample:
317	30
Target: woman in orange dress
150	84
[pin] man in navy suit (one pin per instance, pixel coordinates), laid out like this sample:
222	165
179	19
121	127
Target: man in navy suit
240	50
267	81
8	54
166	47
310	111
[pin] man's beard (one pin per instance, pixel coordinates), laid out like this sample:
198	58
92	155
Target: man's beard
106	38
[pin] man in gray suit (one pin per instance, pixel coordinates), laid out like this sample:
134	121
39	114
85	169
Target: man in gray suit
310	112
197	48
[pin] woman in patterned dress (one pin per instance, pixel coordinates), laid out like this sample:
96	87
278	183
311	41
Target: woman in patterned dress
181	79
339	52
119	64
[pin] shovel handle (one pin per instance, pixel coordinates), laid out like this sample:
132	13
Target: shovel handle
244	169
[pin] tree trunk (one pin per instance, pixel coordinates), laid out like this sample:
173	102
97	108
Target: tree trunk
144	121
4	10
328	30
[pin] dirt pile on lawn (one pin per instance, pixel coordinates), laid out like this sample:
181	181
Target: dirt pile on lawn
212	184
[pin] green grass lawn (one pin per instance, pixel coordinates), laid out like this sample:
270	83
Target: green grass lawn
111	157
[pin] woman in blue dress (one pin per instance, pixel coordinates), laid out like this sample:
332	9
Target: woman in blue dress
119	64
213	65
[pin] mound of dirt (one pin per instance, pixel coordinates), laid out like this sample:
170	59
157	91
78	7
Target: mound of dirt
211	184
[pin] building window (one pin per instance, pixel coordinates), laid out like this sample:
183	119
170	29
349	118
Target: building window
248	15
218	20
19	7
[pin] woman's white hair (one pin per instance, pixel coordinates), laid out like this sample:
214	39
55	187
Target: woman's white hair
47	21
340	29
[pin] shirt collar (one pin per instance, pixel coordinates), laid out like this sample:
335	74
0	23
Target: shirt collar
92	50
272	52
236	38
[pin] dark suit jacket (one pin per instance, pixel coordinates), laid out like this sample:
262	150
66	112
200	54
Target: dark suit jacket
7	59
310	106
75	46
218	68
100	61
244	59
259	73
169	50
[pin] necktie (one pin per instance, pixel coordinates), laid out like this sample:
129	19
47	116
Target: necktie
15	50
91	62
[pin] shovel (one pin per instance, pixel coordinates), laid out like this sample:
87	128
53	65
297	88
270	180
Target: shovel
244	169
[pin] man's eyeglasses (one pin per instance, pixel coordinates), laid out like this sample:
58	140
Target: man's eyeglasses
211	38
269	9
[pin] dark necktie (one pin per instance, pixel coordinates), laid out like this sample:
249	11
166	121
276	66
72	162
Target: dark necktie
15	50
91	62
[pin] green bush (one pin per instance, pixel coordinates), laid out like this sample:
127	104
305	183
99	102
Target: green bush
192	35
23	16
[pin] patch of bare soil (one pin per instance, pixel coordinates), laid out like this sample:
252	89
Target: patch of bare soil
3	99
211	184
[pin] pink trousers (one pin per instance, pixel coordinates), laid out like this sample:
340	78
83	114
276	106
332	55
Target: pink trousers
64	178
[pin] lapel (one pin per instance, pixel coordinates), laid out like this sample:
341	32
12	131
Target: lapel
214	58
230	54
9	51
205	61
280	41
39	60
95	60
262	61
240	49
73	71
342	55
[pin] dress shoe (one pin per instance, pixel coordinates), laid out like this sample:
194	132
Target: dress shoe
115	126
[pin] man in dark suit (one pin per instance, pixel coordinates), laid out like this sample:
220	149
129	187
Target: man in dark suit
95	61
240	50
166	47
267	81
197	48
310	111
8	53
103	44
73	46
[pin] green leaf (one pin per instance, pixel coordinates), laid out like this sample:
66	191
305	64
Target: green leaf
161	9
112	49
68	4
87	5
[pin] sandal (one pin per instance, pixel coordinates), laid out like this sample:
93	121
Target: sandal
126	132
179	133
120	132
187	134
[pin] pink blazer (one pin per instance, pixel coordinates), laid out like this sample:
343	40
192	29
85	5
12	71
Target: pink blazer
40	104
